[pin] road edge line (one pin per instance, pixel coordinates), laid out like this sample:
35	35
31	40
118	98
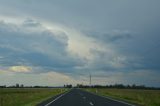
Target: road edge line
112	99
57	98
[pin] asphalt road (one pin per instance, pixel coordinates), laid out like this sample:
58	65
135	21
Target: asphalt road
77	97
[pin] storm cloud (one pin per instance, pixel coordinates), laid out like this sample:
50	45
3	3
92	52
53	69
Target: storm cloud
32	44
115	41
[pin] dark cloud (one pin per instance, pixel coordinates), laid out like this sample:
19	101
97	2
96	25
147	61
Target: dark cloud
131	50
111	36
38	49
121	36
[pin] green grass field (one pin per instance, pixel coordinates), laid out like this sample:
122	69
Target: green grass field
141	97
26	96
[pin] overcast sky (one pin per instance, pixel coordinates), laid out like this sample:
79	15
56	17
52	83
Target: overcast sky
56	42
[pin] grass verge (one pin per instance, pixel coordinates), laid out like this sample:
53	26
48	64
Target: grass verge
26	96
137	96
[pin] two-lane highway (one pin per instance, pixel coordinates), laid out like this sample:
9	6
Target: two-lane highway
77	97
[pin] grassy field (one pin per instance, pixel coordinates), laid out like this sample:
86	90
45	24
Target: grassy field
26	96
141	97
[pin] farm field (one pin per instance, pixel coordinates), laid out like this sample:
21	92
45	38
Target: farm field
26	96
137	96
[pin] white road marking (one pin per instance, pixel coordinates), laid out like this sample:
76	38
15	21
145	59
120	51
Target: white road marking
114	99
91	103
56	99
84	97
120	101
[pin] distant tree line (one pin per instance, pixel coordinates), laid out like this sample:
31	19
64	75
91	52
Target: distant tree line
119	86
68	86
22	86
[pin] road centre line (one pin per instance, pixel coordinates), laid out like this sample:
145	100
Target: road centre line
91	103
84	97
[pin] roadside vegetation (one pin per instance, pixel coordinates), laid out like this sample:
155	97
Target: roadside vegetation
137	96
26	96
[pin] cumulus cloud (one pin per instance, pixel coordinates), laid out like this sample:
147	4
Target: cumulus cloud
32	44
21	69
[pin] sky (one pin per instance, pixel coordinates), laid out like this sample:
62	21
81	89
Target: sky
57	42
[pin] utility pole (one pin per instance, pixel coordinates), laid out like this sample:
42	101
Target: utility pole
90	79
